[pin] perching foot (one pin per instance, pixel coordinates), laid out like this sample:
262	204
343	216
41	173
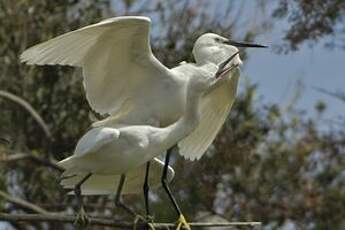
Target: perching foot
82	219
182	223
149	222
140	219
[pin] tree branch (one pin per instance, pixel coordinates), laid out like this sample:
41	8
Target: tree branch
111	222
28	108
25	156
338	95
22	203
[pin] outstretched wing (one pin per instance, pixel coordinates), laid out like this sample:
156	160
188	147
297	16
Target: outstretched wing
115	55
215	108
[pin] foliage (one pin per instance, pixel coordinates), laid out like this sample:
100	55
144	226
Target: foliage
266	165
312	20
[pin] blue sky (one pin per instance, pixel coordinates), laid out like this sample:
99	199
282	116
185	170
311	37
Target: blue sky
278	74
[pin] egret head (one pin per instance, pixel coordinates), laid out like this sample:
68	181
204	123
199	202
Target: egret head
210	39
214	48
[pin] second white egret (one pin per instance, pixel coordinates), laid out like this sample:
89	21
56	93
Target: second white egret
119	150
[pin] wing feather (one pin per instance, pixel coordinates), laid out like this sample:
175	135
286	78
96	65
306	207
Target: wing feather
214	109
115	55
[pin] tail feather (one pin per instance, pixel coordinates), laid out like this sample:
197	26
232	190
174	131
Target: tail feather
107	184
70	167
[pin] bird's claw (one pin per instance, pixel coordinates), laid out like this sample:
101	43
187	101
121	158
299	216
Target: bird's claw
82	219
150	221
182	223
139	218
147	220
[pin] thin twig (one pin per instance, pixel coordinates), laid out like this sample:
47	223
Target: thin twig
338	95
22	203
25	156
29	108
111	222
4	141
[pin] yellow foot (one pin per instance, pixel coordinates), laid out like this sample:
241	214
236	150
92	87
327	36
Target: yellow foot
182	223
82	219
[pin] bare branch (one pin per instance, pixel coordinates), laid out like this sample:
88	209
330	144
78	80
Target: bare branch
111	222
25	156
22	203
4	141
28	108
339	95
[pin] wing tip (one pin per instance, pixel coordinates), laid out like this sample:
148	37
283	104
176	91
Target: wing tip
25	57
28	57
191	157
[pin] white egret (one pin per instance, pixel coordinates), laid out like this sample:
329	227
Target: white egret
123	79
117	150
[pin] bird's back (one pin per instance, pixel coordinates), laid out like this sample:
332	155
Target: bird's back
105	150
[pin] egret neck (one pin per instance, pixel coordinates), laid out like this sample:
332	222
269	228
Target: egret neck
191	116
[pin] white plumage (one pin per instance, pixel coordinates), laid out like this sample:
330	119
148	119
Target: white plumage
107	184
109	151
122	77
216	107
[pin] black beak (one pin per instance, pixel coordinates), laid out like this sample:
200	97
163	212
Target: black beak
244	44
221	66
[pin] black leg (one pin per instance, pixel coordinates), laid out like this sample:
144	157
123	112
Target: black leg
118	201
82	218
77	190
146	189
165	180
181	220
